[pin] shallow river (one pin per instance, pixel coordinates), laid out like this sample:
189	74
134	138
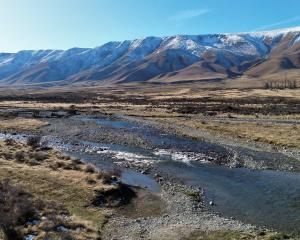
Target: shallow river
260	197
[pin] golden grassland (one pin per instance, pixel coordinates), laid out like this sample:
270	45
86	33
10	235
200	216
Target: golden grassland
283	135
21	124
280	135
227	93
152	93
59	181
159	99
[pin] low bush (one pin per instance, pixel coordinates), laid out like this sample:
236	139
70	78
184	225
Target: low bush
40	156
56	165
33	162
10	142
114	197
90	169
8	155
34	141
71	166
104	177
77	161
16	207
90	181
66	157
20	156
72	110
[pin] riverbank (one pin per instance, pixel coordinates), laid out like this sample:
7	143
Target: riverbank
187	161
290	160
60	190
150	216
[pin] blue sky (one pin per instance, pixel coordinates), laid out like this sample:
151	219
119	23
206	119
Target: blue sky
62	24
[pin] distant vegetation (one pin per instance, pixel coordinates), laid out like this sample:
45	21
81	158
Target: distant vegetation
285	84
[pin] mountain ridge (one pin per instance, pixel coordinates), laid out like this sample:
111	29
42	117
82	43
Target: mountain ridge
178	57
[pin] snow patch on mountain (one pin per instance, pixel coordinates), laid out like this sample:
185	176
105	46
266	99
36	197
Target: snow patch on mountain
177	51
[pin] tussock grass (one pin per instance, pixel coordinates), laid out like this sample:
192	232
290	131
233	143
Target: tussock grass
277	134
62	190
21	124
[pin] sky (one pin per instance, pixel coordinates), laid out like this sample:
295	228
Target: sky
63	24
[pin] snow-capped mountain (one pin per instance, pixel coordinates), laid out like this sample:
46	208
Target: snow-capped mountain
182	57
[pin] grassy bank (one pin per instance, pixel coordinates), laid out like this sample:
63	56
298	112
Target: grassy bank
63	191
281	135
21	124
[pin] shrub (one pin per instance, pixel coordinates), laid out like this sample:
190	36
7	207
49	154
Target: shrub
76	161
7	155
66	157
56	165
34	141
90	169
32	162
10	142
104	177
40	156
114	197
72	110
20	156
72	166
90	181
16	208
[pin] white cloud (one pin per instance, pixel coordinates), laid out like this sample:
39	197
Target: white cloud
279	23
188	14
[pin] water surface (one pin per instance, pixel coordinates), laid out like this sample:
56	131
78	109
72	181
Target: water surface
260	197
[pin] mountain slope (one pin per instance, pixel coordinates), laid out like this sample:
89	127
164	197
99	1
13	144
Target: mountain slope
285	56
175	58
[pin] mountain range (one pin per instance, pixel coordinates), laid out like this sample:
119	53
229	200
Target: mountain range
158	59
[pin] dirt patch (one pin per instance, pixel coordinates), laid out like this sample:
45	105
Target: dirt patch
145	204
114	197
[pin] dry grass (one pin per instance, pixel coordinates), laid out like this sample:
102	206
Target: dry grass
281	135
228	94
160	102
191	91
21	124
68	189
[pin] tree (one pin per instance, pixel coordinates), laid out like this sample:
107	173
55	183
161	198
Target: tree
267	85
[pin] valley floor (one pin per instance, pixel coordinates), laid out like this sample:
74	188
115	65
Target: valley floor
262	120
